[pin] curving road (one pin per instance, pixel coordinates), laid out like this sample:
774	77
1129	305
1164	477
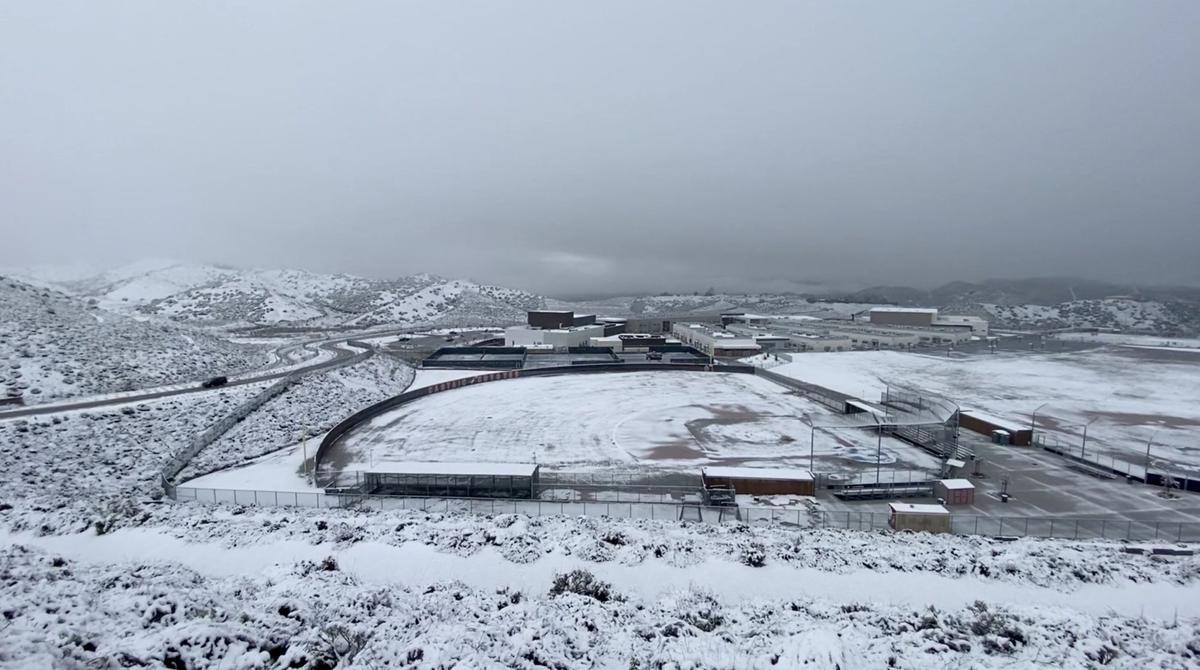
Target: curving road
277	371
341	347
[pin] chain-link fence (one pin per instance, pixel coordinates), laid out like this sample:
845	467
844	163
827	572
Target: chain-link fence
793	517
887	478
1161	473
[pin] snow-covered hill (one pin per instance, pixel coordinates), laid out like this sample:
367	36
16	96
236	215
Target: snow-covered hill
1166	316
210	294
1172	317
54	345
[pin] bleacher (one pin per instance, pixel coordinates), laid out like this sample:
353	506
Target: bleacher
880	492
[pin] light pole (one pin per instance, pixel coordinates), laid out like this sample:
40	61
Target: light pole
878	451
1146	478
1033	422
1083	449
812	446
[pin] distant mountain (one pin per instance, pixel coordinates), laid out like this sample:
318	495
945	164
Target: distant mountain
56	345
1037	291
211	294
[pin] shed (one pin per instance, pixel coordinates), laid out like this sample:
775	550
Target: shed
986	424
761	481
955	491
459	480
927	518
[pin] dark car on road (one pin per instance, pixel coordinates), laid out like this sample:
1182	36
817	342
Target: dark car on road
215	382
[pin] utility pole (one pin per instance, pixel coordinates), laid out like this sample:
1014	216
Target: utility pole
1146	478
1033	422
812	446
304	445
1083	449
878	451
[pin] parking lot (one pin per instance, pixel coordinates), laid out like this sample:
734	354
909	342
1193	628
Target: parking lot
1044	485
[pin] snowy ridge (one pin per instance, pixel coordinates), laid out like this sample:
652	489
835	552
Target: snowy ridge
210	294
56	346
1118	313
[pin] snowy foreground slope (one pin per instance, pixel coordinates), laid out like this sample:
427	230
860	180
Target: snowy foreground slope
246	588
53	345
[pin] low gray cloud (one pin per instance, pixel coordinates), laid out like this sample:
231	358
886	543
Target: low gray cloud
589	148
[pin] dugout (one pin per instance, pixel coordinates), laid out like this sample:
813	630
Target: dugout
456	480
760	481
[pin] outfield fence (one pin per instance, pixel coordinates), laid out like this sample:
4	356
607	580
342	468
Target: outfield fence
1118	529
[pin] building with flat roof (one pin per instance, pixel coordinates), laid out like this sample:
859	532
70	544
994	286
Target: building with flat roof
955	491
760	481
630	342
557	339
903	316
822	342
918	517
927	317
977	326
550	318
715	341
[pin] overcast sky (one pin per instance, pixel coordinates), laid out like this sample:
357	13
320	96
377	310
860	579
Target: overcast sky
571	147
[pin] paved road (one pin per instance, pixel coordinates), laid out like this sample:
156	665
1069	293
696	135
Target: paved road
283	368
340	354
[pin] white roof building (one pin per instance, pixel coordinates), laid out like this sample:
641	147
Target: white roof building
456	469
790	474
916	508
957	484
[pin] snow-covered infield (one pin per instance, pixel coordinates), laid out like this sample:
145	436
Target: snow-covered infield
668	420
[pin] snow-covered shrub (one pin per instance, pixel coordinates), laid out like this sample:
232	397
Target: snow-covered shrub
752	554
583	583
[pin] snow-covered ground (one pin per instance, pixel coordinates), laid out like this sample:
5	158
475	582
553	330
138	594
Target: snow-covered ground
301	588
1121	313
94	574
1133	399
306	410
75	461
670	420
1127	339
57	346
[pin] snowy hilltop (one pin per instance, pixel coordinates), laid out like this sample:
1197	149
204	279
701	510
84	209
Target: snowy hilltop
210	294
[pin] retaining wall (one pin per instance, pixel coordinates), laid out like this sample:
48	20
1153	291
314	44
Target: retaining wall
181	458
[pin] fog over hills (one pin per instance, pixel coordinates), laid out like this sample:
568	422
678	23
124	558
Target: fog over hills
206	294
213	294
